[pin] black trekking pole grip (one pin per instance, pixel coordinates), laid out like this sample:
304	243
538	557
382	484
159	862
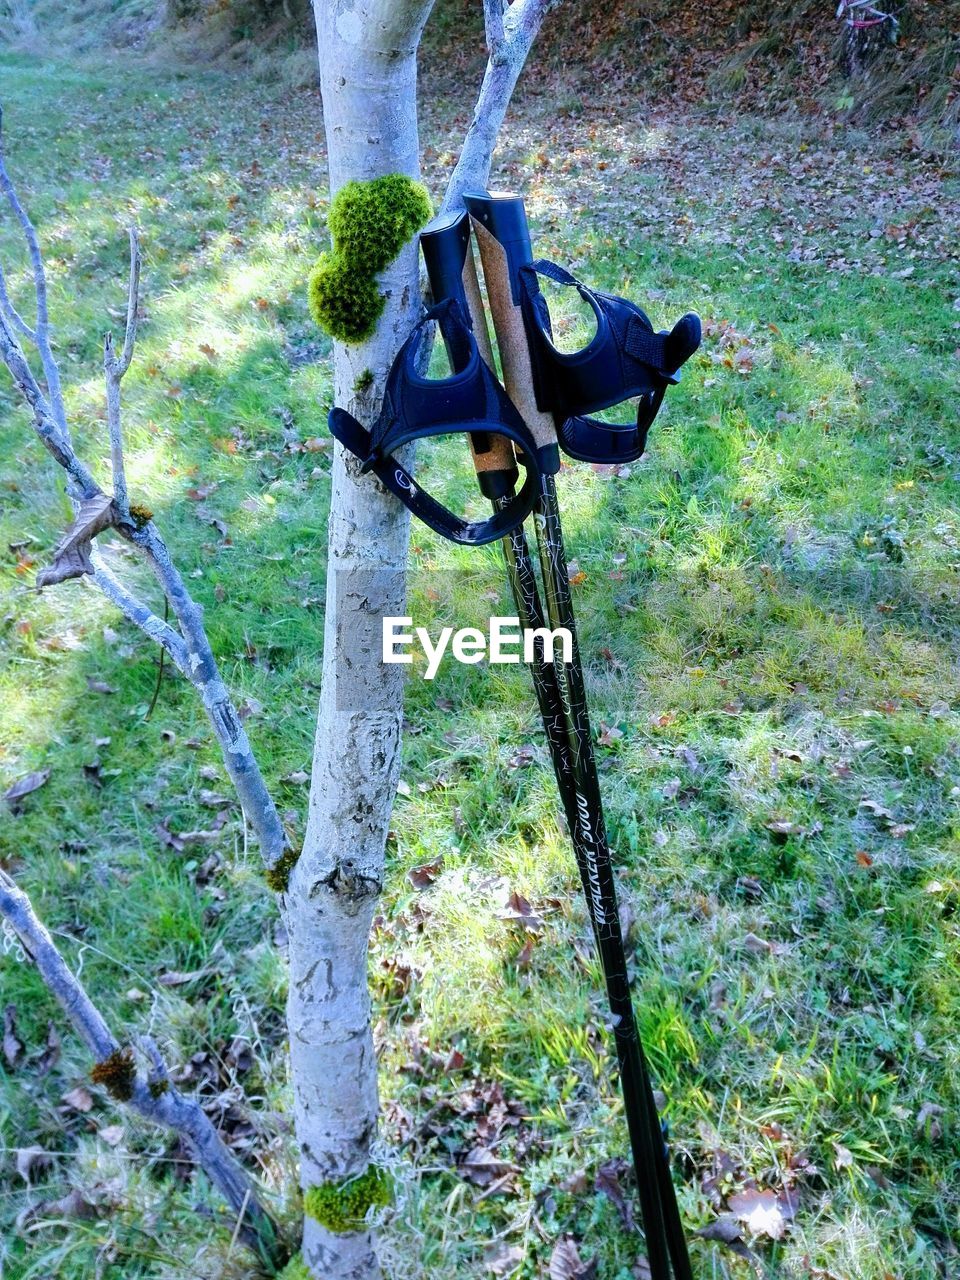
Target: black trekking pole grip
500	226
447	251
452	273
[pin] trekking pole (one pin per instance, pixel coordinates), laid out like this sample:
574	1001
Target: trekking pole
452	273
448	254
504	241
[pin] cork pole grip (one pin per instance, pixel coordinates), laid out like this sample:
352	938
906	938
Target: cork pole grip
498	456
511	337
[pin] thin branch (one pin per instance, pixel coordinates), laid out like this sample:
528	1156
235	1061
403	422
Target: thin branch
41	337
29	233
190	650
200	668
114	367
493	25
520	25
48	428
135	611
12	314
159	685
155	1098
133	302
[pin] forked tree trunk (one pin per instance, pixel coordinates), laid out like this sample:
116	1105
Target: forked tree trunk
368	82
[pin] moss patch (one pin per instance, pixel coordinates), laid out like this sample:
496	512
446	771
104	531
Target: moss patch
341	1207
364	382
370	222
140	514
117	1074
278	876
345	303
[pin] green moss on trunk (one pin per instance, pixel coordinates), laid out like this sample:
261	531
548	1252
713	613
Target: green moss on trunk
341	1207
370	222
278	876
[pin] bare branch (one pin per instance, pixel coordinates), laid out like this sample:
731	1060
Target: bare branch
133	301
114	367
493	25
30	235
190	650
200	668
520	25
48	429
12	314
163	1105
135	611
41	335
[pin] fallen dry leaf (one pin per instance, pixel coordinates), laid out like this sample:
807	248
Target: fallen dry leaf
843	1157
566	1263
524	956
51	1053
784	827
764	1212
608	734
608	1183
73	1205
23	787
213	799
876	808
13	1046
422	877
519	911
726	1230
31	1160
577	1184
71	557
481	1167
177	978
502	1258
79	1099
927	1122
756	945
239	1055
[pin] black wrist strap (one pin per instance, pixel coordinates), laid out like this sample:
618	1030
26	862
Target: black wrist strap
415	407
345	428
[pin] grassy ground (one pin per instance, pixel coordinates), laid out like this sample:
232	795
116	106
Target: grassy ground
769	610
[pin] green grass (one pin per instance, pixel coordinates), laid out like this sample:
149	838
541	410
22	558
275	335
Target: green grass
768	616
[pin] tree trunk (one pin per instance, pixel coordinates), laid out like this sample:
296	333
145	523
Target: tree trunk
368	84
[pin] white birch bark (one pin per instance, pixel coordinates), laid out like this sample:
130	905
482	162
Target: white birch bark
368	81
